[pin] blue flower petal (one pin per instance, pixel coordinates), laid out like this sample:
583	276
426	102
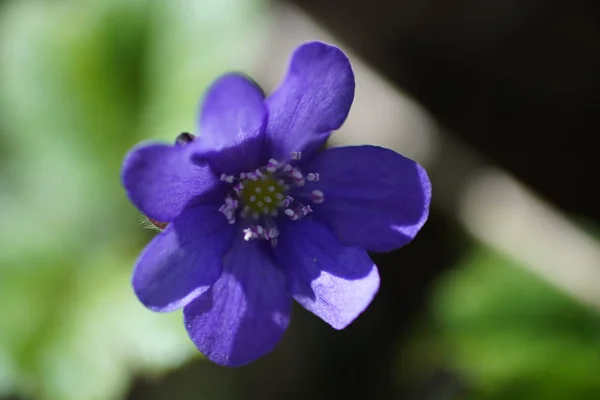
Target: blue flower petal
162	180
244	315
232	124
374	197
183	261
334	282
313	100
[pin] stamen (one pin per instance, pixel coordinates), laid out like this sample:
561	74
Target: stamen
227	178
297	177
306	210
272	165
272	233
262	193
248	234
238	187
228	209
287	201
317	196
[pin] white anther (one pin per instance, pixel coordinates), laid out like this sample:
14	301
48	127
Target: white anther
253	198
231	203
317	196
312	177
243	175
249	234
289	212
296	155
306	210
271	189
272	233
238	188
226	178
287	201
272	165
287	168
260	204
258	190
267	199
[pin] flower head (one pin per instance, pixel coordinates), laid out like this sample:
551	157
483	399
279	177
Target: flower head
258	214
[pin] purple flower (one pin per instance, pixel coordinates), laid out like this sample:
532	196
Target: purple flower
259	215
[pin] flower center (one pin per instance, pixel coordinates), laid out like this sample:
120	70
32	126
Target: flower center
262	196
263	193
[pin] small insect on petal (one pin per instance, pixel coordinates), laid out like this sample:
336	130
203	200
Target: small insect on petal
184	138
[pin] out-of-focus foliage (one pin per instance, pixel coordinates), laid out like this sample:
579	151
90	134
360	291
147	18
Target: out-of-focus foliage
515	336
80	82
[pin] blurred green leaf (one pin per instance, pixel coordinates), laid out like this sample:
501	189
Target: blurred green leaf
516	336
82	81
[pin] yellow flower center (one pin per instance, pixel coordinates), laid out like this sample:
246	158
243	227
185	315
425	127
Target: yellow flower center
262	196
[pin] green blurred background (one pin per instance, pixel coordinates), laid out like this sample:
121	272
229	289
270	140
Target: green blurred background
81	81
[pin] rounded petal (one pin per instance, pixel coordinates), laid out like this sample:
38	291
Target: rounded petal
374	197
245	313
162	180
334	282
232	124
183	261
313	100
